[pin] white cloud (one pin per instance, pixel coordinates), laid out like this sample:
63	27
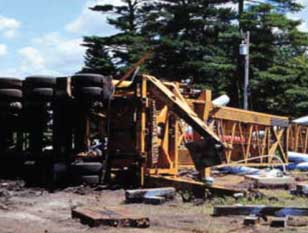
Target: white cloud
303	2
303	27
302	15
3	50
31	59
51	54
9	72
233	6
62	54
9	26
55	54
92	22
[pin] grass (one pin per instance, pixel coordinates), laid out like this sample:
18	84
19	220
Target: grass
269	198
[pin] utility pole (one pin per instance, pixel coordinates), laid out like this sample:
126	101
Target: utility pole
244	48
236	84
244	51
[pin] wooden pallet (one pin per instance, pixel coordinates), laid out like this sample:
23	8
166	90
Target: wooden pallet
109	217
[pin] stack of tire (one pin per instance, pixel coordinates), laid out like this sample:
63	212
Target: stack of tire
38	97
39	89
89	90
10	94
86	172
63	119
10	108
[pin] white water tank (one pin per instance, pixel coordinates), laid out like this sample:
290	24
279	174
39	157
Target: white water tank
221	100
301	120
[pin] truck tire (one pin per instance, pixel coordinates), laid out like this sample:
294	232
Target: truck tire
10	95
58	176
39	82
86	179
41	94
15	106
90	93
86	168
11	83
88	80
94	80
91	180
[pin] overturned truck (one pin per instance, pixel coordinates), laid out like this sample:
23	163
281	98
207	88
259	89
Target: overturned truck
90	128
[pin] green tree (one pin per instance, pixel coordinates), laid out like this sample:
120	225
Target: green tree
199	40
297	93
97	58
287	82
190	40
194	41
275	41
113	54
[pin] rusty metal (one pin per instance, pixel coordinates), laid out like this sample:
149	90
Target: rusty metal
298	138
152	123
244	135
110	217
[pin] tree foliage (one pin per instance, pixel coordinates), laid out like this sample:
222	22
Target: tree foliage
199	40
113	54
275	42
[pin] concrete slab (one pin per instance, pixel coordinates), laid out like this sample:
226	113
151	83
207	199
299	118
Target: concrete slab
251	220
302	189
279	222
270	181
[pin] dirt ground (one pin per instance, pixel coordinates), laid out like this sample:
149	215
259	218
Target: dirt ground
25	210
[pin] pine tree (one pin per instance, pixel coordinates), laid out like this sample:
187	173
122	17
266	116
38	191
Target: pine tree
297	93
190	40
199	40
287	82
275	40
193	41
113	54
97	59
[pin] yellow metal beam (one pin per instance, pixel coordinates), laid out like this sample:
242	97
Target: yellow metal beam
179	107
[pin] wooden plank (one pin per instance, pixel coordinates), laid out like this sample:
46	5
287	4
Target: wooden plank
279	222
154	200
110	217
87	216
259	210
251	220
302	189
148	195
184	184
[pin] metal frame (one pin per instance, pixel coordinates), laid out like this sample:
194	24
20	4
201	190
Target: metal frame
298	138
245	134
249	134
162	110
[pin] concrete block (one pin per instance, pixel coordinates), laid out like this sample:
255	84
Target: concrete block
251	220
279	222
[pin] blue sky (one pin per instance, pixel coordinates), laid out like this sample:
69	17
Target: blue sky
44	36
